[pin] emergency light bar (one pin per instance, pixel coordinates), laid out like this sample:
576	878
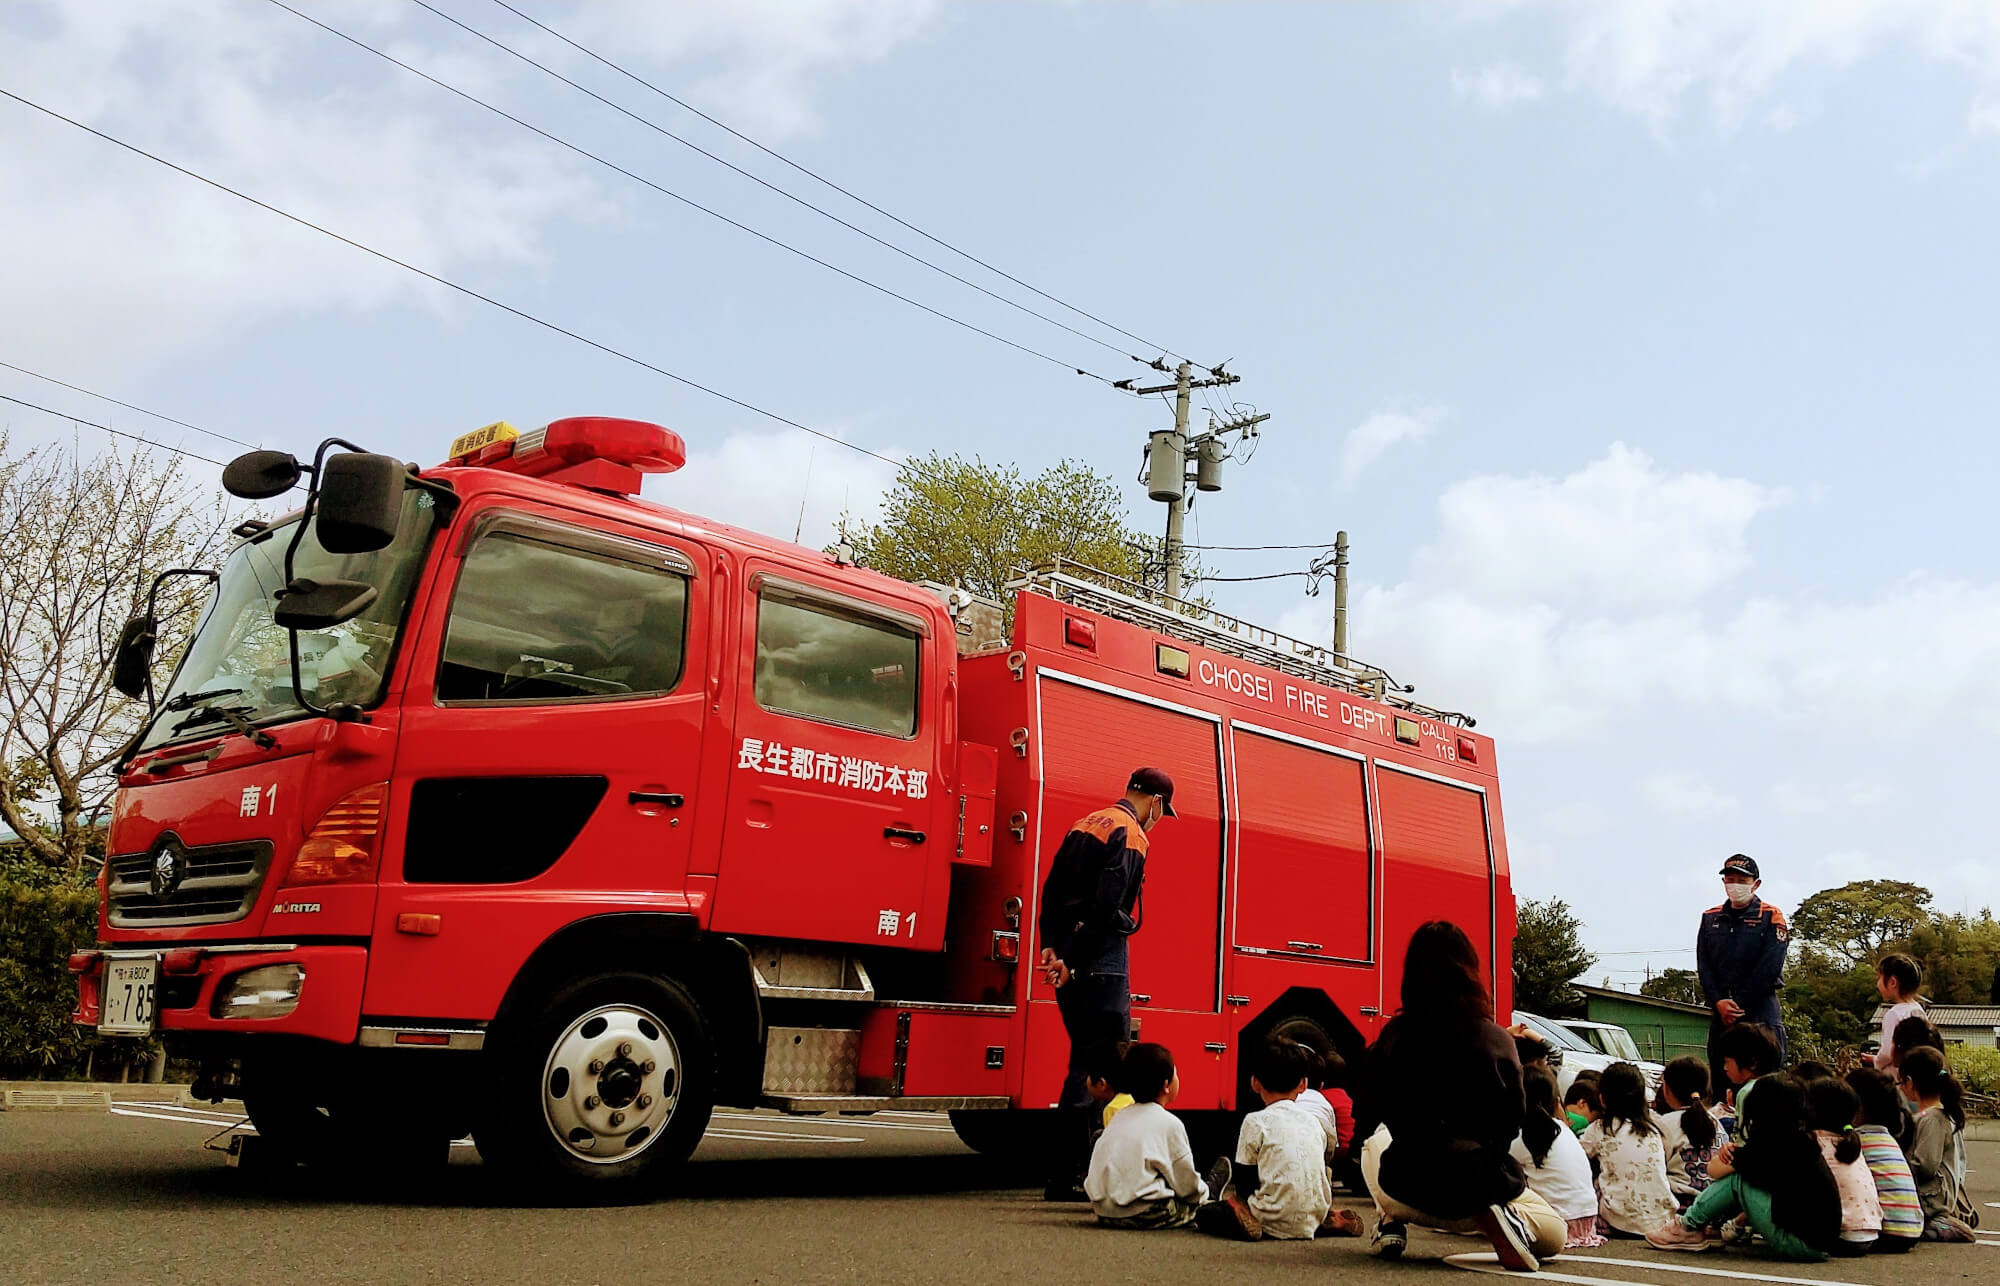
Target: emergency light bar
596	451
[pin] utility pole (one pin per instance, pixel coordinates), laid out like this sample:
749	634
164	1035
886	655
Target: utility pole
1167	454
1340	595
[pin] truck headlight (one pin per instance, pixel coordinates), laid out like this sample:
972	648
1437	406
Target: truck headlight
271	991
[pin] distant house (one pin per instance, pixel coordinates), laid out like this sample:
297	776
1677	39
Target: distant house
1960	1024
1662	1029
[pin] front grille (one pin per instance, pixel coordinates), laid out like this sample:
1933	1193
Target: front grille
221	884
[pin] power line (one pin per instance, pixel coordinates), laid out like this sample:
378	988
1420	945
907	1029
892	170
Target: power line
821	179
684	200
727	164
77	388
446	282
1245	548
77	419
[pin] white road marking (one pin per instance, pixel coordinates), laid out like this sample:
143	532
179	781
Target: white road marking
183	1113
183	1120
1488	1262
842	1122
759	1136
1678	1267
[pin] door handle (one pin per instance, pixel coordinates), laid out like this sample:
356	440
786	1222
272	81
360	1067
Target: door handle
1141	998
1305	946
902	832
660	797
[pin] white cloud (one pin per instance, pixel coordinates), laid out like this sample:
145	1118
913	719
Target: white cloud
1496	87
1685	795
1551	608
1650	56
1371	439
1620	532
1983	117
133	263
777	483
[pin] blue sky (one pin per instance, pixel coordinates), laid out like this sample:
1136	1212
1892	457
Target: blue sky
1648	351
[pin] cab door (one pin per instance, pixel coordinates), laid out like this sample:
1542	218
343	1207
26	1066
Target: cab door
840	821
548	755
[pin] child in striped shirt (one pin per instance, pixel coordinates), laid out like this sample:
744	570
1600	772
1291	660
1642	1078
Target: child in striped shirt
1881	1121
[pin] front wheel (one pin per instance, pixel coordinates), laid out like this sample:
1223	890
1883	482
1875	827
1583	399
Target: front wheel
604	1089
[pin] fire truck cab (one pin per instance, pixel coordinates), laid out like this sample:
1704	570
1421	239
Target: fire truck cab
573	816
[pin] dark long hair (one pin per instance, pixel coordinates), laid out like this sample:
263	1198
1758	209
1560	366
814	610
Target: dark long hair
1781	1156
1832	1106
1622	1097
1926	1069
1543	1120
1441	979
1687	1077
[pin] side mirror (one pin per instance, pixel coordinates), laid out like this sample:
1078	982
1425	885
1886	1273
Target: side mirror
132	663
260	475
360	502
320	605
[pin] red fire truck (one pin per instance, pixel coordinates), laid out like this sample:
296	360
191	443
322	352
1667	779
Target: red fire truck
494	799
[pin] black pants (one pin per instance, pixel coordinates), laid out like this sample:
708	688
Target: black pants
1765	1012
1095	1007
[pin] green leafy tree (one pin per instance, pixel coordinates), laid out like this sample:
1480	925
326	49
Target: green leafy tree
1856	922
1958	954
976	524
1683	985
1549	957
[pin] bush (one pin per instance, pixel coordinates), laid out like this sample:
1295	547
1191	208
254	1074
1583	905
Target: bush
42	920
1978	1068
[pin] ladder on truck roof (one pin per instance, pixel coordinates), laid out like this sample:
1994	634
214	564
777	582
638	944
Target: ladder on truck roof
1125	600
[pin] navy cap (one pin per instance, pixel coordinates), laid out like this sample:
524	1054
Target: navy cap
1738	864
1154	781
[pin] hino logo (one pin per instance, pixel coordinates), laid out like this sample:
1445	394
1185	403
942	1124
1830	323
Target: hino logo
169	866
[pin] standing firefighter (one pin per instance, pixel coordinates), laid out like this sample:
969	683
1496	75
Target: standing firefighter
1091	903
1740	953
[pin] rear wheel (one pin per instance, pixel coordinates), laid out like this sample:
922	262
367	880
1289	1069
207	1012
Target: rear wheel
603	1090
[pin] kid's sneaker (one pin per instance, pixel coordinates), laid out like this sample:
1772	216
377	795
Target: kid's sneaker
1678	1236
1218	1178
1341	1223
1389	1240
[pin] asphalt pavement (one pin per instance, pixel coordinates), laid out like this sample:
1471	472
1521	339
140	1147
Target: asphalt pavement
135	1196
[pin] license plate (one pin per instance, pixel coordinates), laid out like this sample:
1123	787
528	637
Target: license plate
129	987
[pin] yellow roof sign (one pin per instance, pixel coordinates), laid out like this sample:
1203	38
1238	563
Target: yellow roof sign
466	443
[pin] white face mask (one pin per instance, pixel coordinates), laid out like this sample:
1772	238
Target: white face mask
1739	894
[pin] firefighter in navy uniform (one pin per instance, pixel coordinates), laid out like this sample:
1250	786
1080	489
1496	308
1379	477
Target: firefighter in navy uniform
1091	903
1740	956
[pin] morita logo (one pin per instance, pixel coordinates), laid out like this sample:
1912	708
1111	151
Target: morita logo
294	908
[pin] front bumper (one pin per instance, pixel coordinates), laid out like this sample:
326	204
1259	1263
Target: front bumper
329	1002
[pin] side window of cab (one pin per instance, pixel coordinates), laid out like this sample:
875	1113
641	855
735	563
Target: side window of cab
537	619
824	659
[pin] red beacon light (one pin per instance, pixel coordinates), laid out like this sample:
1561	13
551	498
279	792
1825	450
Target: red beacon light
600	452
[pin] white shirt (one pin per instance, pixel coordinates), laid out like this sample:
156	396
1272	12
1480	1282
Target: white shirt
1316	1103
1885	1057
1140	1160
1679	1151
1632	1191
1563	1178
1288	1144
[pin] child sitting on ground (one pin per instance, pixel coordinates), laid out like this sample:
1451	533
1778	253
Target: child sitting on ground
1748	1052
1688	1130
1832	1107
1553	1161
1580	1103
1777	1179
1897	978
1883	1127
1102	1063
1279	1187
1633	1198
1948	1213
1142	1172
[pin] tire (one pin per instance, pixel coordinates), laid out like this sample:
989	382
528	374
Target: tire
602	1091
1005	1134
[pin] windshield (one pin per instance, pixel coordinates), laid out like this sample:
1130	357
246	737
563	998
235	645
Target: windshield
1554	1033
1617	1042
239	661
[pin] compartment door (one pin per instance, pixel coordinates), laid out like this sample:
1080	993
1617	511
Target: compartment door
1437	864
1305	857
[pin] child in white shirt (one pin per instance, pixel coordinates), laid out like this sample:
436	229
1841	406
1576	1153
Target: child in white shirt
1633	1198
1142	1172
1553	1160
1897	977
1279	1187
